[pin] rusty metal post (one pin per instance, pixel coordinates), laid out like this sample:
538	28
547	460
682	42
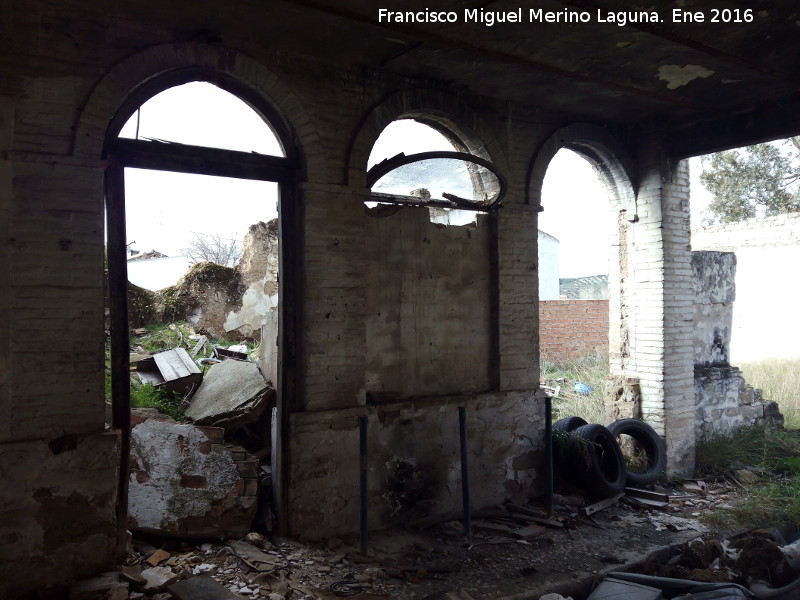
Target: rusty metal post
467	501
548	453
363	514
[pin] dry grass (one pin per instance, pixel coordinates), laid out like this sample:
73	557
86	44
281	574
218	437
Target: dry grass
780	381
592	370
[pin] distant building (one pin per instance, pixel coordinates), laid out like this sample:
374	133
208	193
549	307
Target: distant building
156	271
591	287
548	266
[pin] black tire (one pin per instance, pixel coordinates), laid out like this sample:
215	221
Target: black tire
650	443
568	423
597	462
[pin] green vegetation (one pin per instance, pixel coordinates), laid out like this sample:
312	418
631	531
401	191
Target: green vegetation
591	369
149	396
747	182
753	445
163	336
775	499
158	337
780	381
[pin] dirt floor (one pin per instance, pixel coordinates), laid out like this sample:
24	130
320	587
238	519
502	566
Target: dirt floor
438	562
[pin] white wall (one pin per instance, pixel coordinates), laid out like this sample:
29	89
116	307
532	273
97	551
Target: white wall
157	273
548	267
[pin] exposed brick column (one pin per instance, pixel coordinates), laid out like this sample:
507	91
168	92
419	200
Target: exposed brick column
519	307
661	296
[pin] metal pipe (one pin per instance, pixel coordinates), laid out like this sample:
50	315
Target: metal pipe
362	438
462	430
548	454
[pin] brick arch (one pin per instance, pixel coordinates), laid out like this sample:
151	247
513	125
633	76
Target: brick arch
613	166
598	147
123	79
449	114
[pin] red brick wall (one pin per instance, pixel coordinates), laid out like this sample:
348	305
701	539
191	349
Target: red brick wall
570	328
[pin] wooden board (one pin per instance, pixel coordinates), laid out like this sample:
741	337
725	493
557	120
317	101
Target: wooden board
529	532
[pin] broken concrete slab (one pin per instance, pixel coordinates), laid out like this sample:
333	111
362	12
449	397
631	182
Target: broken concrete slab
233	394
186	482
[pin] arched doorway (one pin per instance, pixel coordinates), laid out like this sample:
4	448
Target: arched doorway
130	147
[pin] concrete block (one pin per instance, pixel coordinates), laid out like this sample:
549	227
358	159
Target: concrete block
233	393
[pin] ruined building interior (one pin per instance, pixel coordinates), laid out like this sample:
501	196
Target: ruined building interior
384	315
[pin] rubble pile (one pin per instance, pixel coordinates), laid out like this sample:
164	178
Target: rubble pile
206	478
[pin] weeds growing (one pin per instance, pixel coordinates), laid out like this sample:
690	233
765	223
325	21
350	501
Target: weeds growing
777	452
590	369
149	396
752	445
780	381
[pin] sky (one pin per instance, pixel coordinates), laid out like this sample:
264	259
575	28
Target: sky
165	211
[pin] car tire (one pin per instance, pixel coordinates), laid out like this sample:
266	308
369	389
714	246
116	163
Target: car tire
652	445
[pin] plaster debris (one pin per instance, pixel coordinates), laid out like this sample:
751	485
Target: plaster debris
158	578
676	76
233	394
185	481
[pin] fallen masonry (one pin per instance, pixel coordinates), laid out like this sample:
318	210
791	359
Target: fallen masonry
186	481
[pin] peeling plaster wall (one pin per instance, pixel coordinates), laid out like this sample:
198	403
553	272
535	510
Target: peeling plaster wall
504	432
427	306
56	510
259	270
714	291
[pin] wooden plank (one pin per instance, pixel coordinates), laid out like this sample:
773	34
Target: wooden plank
529	532
183	158
646	494
549	522
492	527
525	510
598	506
645	502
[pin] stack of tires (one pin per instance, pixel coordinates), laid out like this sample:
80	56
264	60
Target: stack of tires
591	457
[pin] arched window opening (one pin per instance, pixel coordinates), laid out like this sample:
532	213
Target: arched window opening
414	164
574	251
201	114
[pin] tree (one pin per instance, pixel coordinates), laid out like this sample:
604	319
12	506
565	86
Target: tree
756	180
213	248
